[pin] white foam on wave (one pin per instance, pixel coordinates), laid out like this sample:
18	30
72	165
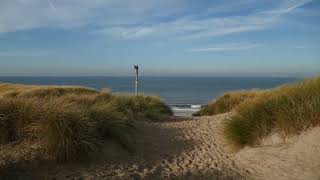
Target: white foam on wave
185	110
198	106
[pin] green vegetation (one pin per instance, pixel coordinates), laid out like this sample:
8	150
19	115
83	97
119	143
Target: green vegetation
72	122
227	102
287	110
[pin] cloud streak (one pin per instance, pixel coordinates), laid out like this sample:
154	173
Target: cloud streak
26	53
52	6
143	18
126	33
192	27
19	15
227	47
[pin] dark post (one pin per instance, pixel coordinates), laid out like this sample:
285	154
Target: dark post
137	79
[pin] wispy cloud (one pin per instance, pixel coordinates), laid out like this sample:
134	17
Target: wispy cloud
26	53
300	47
227	47
17	15
126	33
193	27
52	6
143	18
226	25
290	5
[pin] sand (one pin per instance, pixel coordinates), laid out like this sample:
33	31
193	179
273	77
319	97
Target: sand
191	148
297	157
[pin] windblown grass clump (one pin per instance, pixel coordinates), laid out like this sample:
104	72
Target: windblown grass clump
113	124
227	102
67	133
287	110
141	107
71	122
16	116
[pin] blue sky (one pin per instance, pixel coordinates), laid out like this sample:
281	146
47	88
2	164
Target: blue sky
165	37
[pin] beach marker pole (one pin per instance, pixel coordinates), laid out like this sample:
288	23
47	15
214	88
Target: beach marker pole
137	79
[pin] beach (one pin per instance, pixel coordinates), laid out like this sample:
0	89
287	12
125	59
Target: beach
152	90
179	148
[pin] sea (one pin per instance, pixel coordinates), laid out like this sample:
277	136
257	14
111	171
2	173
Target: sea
185	95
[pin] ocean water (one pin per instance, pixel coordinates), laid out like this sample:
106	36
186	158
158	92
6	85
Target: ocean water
185	95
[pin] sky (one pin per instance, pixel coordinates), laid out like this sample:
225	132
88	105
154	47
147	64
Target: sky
164	37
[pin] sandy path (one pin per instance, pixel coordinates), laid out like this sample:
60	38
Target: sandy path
176	149
192	148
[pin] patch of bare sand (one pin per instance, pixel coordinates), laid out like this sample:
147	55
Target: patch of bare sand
295	158
175	149
192	148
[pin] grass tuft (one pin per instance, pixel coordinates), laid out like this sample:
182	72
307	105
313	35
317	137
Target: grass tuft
227	102
16	116
112	124
67	132
71	122
288	110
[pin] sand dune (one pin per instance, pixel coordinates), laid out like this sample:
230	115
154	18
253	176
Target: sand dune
296	158
191	148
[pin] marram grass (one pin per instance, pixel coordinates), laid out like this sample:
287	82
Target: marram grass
67	132
287	110
227	102
72	122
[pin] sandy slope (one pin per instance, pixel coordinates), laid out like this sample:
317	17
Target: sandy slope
296	158
179	149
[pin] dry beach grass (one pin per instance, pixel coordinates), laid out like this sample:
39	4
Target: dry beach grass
193	148
268	134
70	123
288	110
228	102
175	149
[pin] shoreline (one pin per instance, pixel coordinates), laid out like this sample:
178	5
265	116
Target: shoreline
185	110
